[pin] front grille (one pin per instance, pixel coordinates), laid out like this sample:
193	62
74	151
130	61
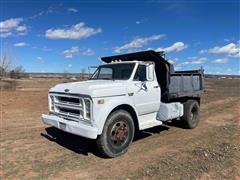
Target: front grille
68	100
70	111
67	106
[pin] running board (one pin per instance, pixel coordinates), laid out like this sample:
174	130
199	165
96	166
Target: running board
148	120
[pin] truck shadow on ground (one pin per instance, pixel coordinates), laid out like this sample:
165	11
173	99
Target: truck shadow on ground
175	123
85	146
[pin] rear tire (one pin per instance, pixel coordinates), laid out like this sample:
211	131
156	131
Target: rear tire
191	114
117	134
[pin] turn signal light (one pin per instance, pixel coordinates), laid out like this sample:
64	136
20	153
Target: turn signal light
100	101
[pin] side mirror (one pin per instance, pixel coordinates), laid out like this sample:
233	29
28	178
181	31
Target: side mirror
150	72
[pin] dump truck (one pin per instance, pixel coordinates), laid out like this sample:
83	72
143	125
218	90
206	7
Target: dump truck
128	93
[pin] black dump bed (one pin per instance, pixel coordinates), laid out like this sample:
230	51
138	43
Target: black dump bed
174	84
186	84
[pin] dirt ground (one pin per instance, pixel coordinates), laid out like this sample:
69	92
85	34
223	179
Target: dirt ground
31	150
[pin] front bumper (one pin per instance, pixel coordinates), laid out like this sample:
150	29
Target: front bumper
77	128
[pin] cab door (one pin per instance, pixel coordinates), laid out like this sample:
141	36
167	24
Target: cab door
146	90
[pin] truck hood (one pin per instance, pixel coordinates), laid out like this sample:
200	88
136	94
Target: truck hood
93	88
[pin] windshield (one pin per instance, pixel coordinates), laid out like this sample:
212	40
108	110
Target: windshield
114	71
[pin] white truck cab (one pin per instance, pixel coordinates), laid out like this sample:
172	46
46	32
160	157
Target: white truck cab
119	98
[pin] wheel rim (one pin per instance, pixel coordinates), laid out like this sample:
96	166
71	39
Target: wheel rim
193	114
119	133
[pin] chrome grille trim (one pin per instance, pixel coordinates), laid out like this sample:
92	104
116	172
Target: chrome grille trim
65	108
69	106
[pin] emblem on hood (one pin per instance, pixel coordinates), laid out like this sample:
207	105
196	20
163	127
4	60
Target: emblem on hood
66	90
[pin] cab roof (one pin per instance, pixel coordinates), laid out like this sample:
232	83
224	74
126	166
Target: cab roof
138	56
125	62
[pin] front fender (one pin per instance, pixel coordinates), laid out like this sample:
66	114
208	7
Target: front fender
102	111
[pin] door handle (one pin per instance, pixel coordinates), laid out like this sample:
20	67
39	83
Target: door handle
155	86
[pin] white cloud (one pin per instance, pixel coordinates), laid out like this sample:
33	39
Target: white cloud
141	21
193	61
49	10
70	53
171	61
74	10
78	31
74	51
9	24
199	61
12	27
138	22
229	39
220	61
88	52
44	48
39	58
236	55
231	49
20	44
6	34
178	46
221	70
41	13
192	57
186	63
21	28
137	43
178	68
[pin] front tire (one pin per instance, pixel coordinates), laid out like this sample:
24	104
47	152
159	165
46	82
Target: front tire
191	114
117	135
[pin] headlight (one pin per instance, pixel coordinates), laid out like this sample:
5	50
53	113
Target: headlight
87	103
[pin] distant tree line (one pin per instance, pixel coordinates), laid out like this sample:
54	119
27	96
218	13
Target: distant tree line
83	75
7	67
9	70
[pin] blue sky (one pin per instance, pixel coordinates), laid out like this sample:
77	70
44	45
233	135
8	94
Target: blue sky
58	36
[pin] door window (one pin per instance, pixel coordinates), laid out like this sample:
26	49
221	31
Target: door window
140	74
